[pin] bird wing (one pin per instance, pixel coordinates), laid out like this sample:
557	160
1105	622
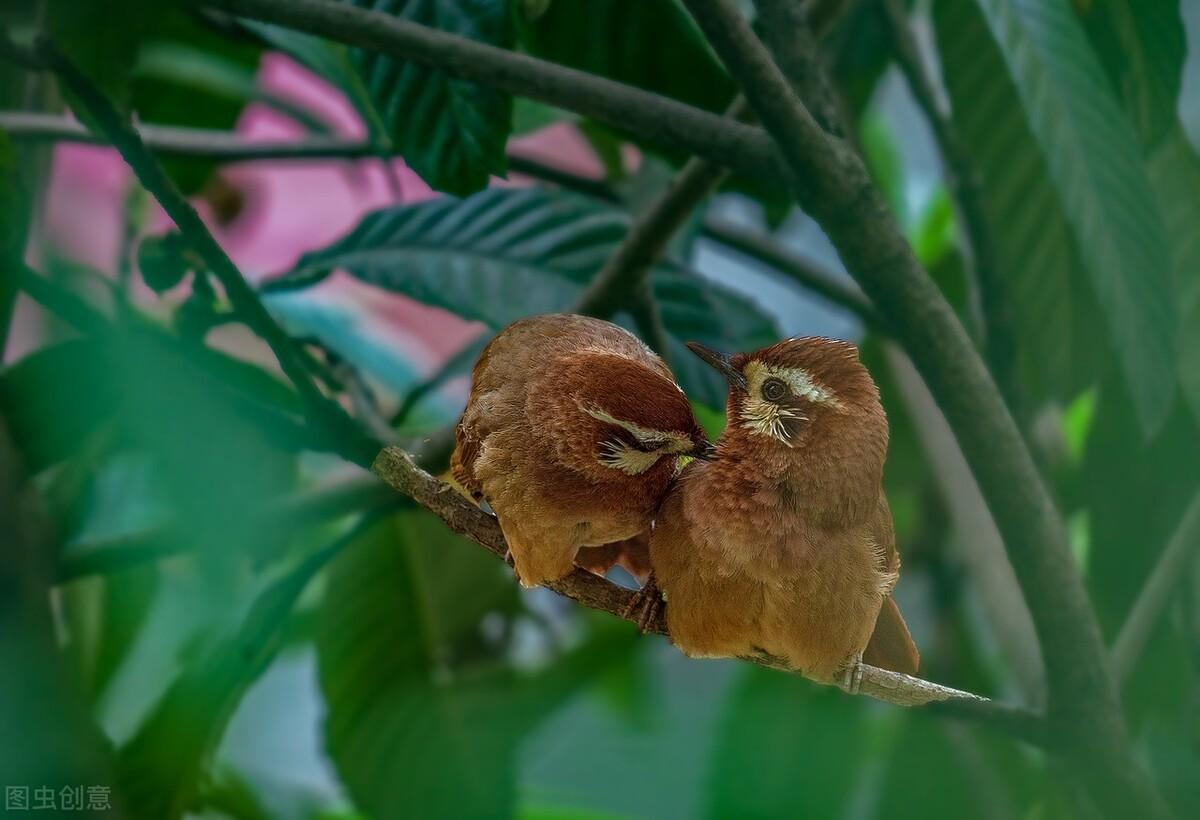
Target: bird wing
891	645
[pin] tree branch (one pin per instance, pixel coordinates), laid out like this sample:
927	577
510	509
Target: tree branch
398	470
1139	624
832	184
835	188
743	149
327	414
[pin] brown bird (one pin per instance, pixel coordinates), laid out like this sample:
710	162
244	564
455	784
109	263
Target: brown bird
572	433
782	544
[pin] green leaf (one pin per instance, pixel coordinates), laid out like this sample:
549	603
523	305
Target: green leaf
160	768
1142	46
409	738
785	748
1094	161
1175	174
102	38
651	44
452	133
508	253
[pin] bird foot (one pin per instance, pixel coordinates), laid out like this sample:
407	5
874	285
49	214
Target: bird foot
646	606
852	675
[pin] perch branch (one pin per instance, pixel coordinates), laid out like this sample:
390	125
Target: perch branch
327	414
1155	593
399	471
743	149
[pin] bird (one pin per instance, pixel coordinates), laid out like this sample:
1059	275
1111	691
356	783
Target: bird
782	546
572	433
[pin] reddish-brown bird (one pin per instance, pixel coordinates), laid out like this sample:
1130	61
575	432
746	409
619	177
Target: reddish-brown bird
783	543
572	433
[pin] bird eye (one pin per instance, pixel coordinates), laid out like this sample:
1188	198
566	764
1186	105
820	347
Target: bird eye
774	389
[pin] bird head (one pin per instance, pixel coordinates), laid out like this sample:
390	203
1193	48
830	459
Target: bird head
627	418
804	404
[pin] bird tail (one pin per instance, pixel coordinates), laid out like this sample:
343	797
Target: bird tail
891	646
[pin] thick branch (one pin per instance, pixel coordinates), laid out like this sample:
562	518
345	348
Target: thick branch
1157	591
328	414
835	188
743	149
833	185
398	470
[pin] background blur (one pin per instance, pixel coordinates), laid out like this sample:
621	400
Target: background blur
190	665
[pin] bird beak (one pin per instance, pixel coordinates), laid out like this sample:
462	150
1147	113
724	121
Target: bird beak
720	363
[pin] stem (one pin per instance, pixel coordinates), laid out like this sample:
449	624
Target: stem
745	150
328	415
807	274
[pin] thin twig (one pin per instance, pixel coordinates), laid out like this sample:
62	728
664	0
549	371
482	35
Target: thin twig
222	145
651	232
398	470
1151	601
327	414
809	275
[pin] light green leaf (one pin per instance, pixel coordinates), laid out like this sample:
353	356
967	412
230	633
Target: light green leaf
508	253
160	768
1094	161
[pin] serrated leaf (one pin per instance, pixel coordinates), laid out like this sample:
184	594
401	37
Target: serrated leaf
451	132
508	253
1094	160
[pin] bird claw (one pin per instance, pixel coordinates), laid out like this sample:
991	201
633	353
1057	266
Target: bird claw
852	675
512	562
645	607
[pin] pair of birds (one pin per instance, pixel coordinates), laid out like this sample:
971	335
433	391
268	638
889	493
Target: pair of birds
775	542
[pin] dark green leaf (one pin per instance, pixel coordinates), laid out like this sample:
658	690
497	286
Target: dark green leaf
1042	278
507	253
160	768
453	133
412	732
1142	46
651	44
102	38
785	749
1094	161
1175	174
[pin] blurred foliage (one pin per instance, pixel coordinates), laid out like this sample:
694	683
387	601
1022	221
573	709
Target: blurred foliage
201	550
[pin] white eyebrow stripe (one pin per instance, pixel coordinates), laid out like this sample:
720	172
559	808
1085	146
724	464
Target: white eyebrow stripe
643	434
797	378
